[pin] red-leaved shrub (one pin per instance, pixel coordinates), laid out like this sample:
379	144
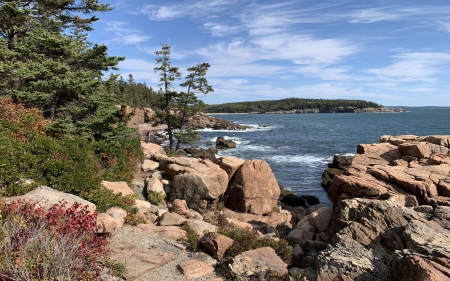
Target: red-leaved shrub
55	244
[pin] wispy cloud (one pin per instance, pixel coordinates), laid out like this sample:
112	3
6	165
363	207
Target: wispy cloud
398	13
195	9
409	67
220	30
125	35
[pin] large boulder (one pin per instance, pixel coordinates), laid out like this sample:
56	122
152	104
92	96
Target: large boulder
154	185
149	165
254	189
46	197
200	182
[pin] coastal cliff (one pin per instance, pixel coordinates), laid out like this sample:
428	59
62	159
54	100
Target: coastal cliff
391	214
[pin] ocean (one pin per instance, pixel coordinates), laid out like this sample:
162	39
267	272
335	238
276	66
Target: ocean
298	147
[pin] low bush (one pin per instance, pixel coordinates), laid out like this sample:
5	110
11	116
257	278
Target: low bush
68	163
58	244
245	240
193	238
156	198
119	161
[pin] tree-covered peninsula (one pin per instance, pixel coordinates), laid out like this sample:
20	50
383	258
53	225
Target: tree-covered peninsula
293	105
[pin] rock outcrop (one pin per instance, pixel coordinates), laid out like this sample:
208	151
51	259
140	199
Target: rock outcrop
209	122
391	216
222	143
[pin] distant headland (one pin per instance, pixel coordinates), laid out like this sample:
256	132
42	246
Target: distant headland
298	105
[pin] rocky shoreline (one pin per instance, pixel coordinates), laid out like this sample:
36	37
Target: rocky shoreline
391	214
341	109
390	218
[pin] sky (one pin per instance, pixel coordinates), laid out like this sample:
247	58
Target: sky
389	52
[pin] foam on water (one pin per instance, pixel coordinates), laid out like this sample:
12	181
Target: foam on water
254	128
310	160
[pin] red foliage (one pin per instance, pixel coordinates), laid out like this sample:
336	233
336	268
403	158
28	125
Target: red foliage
74	223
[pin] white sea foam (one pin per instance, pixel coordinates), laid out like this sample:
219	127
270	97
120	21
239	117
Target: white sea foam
310	160
254	127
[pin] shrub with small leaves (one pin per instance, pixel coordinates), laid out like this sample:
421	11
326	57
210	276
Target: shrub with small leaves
57	244
156	198
245	240
193	238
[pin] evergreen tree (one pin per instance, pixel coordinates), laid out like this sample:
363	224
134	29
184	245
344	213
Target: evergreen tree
168	74
46	59
188	103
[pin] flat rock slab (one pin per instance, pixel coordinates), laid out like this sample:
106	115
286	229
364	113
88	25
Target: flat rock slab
172	232
118	187
168	219
149	165
139	261
47	196
195	268
260	260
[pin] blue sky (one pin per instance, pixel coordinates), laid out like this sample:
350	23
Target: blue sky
389	52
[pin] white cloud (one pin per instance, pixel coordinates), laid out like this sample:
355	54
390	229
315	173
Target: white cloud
444	26
125	35
193	9
399	13
409	67
374	15
135	38
219	30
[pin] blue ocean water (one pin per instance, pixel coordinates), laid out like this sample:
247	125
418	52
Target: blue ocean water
298	146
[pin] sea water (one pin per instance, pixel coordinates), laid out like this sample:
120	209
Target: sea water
298	147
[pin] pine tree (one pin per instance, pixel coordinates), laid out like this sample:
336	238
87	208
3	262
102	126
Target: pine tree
187	102
168	74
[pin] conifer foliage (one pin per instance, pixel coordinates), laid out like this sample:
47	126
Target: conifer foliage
46	60
179	106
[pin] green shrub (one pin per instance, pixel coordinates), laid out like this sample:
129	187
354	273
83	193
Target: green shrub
67	164
119	161
193	239
245	240
156	198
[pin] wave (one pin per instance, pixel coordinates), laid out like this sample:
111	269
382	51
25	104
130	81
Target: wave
310	160
254	128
